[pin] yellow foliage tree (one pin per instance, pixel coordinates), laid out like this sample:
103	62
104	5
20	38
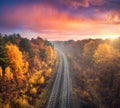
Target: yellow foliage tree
88	51
85	94
42	80
17	63
22	102
0	71
103	53
48	72
89	48
49	51
7	106
25	68
33	91
8	74
32	80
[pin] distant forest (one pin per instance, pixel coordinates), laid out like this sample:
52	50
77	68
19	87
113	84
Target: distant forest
95	72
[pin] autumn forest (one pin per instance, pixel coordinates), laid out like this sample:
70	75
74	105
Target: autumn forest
95	72
59	53
26	68
29	70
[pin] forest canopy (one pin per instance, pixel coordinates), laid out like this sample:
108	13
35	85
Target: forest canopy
25	67
95	72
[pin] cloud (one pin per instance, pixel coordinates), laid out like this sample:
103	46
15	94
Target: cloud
83	3
40	17
90	17
113	17
97	2
76	3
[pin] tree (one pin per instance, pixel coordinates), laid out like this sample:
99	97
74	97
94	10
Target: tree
7	105
2	41
33	91
47	43
11	38
48	72
103	53
8	74
42	80
43	54
3	59
26	46
22	102
49	52
17	63
89	50
1	72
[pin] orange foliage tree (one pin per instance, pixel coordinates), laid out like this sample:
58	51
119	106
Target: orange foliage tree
17	63
8	74
48	72
42	80
49	51
103	53
0	71
88	51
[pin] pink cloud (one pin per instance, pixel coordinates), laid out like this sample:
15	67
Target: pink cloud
113	17
83	3
59	24
39	17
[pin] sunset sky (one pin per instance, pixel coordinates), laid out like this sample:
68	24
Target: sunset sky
61	19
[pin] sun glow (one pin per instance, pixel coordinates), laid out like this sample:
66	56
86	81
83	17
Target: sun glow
112	37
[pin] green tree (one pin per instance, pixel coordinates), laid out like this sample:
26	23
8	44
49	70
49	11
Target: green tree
3	59
47	43
43	54
26	46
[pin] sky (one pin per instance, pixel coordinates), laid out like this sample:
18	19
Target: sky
61	19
